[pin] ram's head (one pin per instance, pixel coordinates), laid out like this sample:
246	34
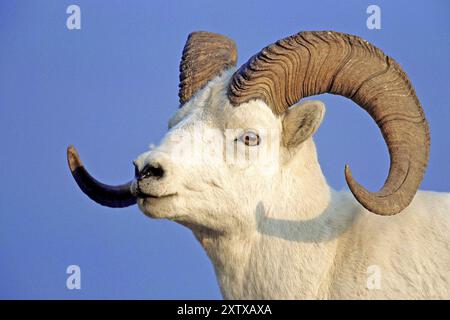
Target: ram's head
240	134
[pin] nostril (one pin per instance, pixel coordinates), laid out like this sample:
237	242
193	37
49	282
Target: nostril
151	170
156	171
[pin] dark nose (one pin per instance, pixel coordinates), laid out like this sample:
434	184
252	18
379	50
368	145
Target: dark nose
154	170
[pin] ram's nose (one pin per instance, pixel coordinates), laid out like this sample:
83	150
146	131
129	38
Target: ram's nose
153	170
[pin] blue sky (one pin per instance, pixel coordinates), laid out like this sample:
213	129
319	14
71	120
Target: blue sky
110	88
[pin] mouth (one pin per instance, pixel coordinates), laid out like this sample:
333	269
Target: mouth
145	196
141	195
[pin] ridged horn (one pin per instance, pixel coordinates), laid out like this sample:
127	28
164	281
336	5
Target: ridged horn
310	63
110	196
205	55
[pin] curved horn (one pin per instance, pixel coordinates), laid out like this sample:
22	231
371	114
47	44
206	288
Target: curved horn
310	63
110	196
205	55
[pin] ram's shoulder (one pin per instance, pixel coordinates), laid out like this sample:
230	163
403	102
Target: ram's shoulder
425	206
428	207
426	220
431	199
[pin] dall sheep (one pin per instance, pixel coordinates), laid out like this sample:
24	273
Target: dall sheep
271	225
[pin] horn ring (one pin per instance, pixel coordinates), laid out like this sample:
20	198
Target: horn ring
316	62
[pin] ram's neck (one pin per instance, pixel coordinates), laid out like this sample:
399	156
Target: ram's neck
289	259
291	249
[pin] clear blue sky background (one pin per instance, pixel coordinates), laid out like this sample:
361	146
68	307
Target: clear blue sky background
110	88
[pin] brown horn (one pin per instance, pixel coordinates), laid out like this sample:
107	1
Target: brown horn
310	63
205	56
110	196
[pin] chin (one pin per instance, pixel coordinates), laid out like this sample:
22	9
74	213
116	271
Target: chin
157	208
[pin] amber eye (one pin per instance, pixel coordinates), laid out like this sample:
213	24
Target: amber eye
250	138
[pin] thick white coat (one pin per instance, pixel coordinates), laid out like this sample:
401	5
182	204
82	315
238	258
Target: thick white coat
275	229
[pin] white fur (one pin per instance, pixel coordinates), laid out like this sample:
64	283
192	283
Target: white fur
275	229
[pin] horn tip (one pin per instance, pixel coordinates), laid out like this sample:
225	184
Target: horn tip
73	158
347	172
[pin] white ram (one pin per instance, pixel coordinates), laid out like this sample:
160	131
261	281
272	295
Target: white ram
270	224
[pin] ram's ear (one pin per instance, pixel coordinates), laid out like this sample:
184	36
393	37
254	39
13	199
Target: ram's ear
301	121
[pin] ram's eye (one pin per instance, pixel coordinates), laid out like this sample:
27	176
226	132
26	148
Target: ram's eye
250	138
